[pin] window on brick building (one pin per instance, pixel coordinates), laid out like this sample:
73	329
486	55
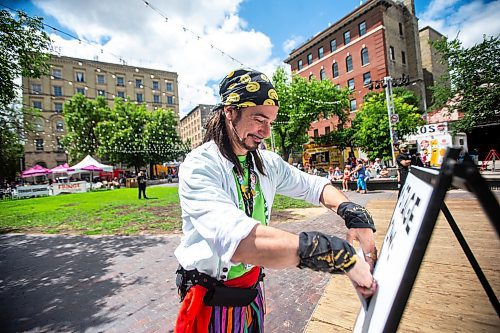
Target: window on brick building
101	92
335	70
80	76
320	52
347	37
333	45
401	29
348	63
100	79
138	83
58	107
139	98
170	86
120	81
57	73
365	59
322	74
39	144
37	105
362	28
156	85
80	91
121	94
299	64
156	99
170	100
59	125
309	59
36	88
352	104
316	133
327	129
39	125
367	78
392	55
57	90
350	84
403	57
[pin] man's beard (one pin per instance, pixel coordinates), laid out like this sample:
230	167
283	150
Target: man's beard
241	141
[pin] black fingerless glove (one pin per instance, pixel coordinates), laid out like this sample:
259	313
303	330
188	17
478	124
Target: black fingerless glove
355	216
325	253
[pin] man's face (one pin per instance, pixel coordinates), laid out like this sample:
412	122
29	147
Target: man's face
251	124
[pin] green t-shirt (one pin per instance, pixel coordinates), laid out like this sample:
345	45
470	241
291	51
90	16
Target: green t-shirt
259	213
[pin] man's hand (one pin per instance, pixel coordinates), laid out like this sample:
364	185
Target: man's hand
362	278
366	240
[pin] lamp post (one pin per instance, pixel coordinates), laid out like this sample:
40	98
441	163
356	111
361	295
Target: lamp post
390	111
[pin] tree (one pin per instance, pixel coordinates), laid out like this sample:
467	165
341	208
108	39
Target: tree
371	125
137	137
82	116
301	103
474	74
24	51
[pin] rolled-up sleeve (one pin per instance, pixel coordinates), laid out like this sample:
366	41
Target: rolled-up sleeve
297	184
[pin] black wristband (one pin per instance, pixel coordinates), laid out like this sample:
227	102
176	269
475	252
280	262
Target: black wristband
355	216
325	253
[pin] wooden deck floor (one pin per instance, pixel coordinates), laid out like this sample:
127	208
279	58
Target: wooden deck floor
447	295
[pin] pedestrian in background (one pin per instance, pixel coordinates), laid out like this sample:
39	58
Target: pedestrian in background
141	184
403	161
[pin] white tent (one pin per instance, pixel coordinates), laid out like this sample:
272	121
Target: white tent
87	161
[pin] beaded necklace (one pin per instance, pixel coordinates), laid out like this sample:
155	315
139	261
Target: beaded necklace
247	192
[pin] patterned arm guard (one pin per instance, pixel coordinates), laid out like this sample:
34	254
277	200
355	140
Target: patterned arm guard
325	253
355	216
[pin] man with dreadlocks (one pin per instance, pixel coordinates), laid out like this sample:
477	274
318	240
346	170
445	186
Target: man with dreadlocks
226	189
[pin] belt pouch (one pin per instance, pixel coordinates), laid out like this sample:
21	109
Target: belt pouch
225	296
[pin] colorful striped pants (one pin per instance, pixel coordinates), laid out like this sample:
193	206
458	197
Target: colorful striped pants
229	319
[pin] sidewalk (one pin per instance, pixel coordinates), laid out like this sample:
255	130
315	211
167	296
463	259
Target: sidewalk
127	284
447	295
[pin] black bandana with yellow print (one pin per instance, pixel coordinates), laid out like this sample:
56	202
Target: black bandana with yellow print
245	87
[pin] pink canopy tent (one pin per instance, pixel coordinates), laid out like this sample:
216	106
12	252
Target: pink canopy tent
91	168
35	171
60	168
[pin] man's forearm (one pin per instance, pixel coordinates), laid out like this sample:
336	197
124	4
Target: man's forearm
331	198
269	247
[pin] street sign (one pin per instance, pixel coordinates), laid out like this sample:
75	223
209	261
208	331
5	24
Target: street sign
394	118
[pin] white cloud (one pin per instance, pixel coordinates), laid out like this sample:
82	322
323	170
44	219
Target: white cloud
470	21
140	36
292	42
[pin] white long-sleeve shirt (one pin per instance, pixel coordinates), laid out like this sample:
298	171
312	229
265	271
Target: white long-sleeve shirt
213	225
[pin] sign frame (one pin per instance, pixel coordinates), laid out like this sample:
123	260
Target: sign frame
461	174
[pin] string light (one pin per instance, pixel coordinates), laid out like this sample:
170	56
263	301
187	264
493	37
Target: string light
195	35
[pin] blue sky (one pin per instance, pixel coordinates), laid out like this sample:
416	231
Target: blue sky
202	37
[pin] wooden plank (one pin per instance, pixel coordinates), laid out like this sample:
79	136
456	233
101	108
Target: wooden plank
447	295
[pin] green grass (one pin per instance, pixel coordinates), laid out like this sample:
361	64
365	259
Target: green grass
103	212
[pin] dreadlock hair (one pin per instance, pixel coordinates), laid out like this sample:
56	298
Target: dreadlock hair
216	130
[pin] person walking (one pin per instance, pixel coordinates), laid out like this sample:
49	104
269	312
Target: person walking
141	184
403	161
226	192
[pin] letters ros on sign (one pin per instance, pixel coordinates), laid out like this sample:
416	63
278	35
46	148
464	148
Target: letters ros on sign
395	253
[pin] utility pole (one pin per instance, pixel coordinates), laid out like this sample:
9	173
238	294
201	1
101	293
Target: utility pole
390	111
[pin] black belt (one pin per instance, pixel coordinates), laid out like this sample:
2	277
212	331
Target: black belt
217	294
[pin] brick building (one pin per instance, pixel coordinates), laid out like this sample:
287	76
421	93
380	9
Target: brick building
379	38
192	125
432	66
69	76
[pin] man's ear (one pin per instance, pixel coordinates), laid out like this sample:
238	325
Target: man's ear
228	112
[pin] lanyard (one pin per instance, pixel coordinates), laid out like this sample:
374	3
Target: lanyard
247	192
